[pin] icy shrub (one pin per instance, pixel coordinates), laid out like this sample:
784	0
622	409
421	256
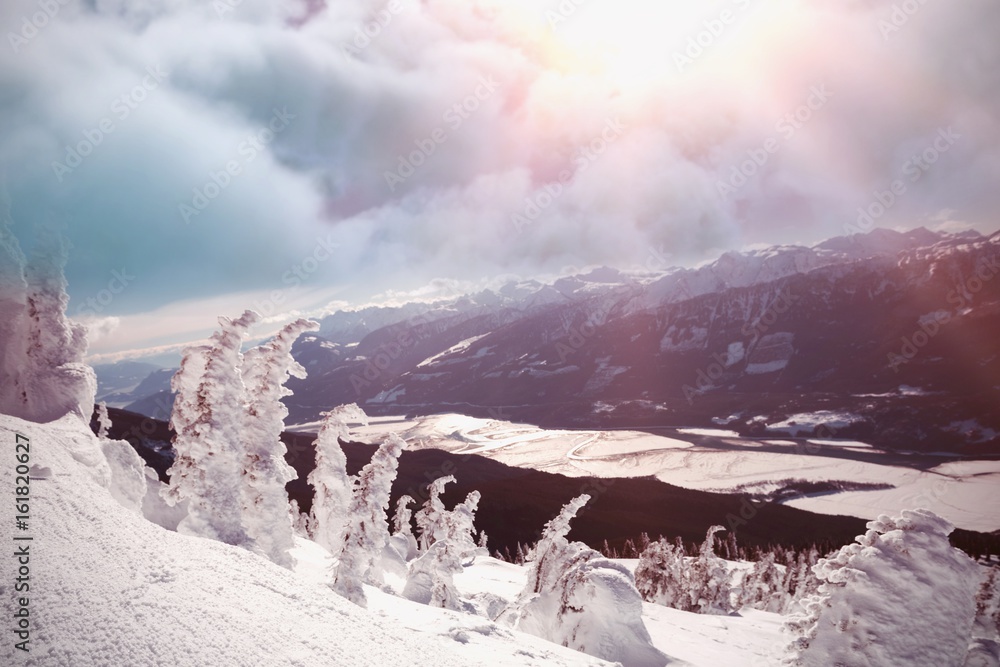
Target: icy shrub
265	371
367	531
578	598
42	373
403	530
701	584
900	595
450	538
430	515
208	420
329	479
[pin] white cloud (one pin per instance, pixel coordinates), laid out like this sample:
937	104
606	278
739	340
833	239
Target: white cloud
529	106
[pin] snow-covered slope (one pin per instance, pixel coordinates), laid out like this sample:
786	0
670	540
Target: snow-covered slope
748	639
110	588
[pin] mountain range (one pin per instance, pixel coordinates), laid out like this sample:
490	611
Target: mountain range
896	335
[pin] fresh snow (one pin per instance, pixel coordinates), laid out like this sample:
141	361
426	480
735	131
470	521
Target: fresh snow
112	588
845	444
966	493
711	432
805	422
454	349
750	639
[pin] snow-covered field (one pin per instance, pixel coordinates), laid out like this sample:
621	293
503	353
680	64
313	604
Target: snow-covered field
966	493
750	639
109	587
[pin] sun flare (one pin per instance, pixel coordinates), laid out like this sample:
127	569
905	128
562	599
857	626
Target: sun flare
638	44
629	41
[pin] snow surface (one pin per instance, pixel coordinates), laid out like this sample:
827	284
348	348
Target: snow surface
964	493
111	588
749	639
461	346
806	421
717	432
857	616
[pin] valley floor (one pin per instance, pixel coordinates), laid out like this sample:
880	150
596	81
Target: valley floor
963	491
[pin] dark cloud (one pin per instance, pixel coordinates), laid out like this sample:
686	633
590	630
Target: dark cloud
500	119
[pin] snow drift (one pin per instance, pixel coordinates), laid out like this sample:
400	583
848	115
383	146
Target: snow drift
110	588
900	595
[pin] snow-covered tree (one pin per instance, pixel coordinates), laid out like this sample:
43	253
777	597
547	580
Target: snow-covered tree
900	595
700	584
984	651
42	373
265	371
430	515
54	378
367	530
763	586
988	605
128	479
431	577
301	521
800	580
402	535
329	479
209	419
710	590
459	524
103	420
549	557
576	597
451	539
661	576
401	520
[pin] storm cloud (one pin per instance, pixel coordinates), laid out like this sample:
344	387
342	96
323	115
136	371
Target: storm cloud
222	151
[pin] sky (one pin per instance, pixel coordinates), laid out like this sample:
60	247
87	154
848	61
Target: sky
302	156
